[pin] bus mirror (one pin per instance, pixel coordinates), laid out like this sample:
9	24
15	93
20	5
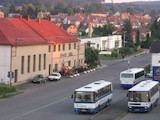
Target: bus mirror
127	94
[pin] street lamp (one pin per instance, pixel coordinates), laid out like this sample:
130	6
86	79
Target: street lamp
128	63
124	38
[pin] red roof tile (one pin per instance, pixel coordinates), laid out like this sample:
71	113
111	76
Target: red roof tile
16	31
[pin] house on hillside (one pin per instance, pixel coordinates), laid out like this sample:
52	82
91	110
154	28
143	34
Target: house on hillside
30	47
70	28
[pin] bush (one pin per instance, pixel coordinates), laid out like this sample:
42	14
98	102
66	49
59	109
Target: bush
6	90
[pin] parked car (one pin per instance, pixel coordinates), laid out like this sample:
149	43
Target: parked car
39	79
150	74
55	76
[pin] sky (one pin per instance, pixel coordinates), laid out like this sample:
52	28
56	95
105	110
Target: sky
120	1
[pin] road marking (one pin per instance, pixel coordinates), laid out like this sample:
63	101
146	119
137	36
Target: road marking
37	109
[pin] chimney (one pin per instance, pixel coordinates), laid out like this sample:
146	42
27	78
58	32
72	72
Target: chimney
39	20
20	17
50	19
28	17
90	30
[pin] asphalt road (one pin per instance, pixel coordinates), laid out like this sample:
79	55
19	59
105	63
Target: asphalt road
51	101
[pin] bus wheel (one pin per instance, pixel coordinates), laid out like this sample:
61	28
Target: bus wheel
150	109
98	109
156	102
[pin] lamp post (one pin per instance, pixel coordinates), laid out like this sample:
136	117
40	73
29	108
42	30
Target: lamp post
128	63
124	38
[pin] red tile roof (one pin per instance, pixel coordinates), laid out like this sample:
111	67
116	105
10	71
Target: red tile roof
17	31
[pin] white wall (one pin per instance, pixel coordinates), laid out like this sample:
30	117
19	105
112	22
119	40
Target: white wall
94	42
155	59
5	53
106	42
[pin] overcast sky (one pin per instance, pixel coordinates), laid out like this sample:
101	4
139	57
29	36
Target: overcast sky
119	1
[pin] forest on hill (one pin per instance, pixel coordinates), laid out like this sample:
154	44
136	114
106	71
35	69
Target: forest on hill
83	6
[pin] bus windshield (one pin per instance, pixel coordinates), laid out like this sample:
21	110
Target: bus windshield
138	96
84	97
126	75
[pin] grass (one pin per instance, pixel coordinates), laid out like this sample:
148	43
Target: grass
7	91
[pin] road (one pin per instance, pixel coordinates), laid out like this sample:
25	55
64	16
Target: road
51	101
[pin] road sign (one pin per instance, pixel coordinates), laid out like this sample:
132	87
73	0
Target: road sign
10	74
156	73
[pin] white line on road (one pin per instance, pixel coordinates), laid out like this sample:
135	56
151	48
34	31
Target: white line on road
37	109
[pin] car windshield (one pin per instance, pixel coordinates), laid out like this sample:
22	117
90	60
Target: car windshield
38	76
54	74
125	75
138	96
84	97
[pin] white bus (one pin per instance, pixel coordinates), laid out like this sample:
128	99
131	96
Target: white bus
130	77
93	97
143	96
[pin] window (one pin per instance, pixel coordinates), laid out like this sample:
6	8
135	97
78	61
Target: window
54	48
74	62
44	62
22	65
116	43
28	66
97	46
39	62
34	63
137	75
74	45
63	47
69	63
49	48
59	47
69	46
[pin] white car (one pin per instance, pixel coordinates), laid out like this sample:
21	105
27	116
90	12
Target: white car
55	76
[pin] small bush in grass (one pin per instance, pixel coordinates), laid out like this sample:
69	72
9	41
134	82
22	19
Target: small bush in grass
6	90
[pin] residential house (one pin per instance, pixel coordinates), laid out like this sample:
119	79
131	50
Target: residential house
125	15
1	14
30	47
13	15
43	15
143	33
70	28
106	43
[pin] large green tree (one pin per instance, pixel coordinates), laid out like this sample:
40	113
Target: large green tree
91	56
137	38
128	33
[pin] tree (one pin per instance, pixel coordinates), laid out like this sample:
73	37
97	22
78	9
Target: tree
91	56
107	29
137	38
12	9
70	11
128	35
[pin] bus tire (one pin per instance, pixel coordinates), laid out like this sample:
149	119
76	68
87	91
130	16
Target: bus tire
156	102
150	109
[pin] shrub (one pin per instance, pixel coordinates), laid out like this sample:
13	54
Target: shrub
6	90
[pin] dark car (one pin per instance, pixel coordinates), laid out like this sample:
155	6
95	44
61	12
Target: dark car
39	79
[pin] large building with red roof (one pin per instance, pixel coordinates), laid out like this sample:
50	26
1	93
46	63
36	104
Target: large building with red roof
29	47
